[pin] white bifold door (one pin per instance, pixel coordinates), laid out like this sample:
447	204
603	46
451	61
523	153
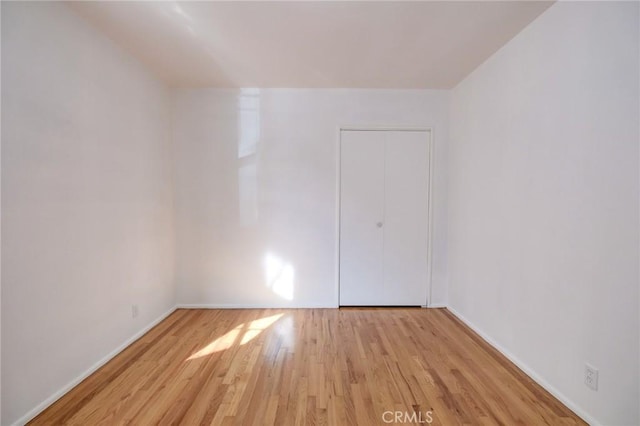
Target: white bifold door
384	216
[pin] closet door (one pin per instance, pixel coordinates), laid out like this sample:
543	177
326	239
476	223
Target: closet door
406	213
361	218
384	217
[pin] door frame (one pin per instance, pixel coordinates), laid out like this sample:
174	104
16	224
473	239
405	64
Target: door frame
430	149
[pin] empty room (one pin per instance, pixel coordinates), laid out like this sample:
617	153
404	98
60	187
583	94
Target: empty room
320	212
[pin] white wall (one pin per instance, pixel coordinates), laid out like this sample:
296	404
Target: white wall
543	203
87	201
279	199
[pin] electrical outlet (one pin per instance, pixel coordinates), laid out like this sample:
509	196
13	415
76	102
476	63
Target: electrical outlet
134	311
591	377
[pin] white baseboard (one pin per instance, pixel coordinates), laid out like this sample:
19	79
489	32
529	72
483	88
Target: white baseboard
53	398
261	306
528	370
248	306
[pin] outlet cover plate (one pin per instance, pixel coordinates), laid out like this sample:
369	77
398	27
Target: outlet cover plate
591	377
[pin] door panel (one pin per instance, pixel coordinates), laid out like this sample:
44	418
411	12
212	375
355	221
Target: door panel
406	189
361	209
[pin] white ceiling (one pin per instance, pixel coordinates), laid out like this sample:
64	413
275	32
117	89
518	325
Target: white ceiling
314	44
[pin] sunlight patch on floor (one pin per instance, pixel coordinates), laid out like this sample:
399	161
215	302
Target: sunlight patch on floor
246	332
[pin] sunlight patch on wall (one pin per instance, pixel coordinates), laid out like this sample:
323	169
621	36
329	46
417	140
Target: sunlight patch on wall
279	276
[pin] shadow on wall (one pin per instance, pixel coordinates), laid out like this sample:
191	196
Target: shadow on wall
248	142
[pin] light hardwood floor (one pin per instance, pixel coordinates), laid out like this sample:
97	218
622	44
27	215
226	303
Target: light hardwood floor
308	366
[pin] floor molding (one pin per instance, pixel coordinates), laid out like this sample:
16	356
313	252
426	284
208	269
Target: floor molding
66	388
580	412
247	306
